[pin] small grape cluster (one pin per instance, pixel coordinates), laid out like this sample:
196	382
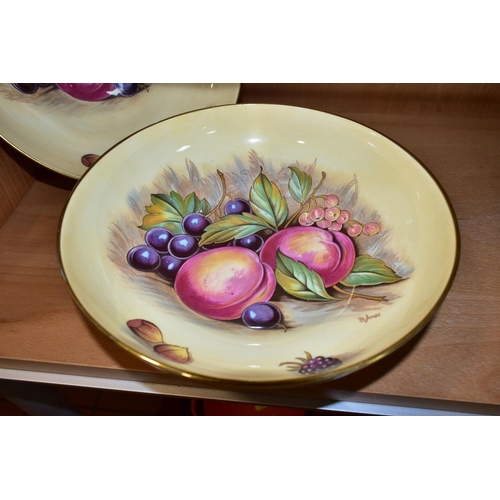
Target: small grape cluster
310	365
165	252
317	364
332	218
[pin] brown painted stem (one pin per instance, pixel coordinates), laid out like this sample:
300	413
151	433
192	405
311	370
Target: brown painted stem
223	182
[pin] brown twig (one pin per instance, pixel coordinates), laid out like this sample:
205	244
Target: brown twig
223	182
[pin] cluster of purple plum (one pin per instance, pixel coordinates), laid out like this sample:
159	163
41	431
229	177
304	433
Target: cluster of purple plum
333	218
221	280
85	91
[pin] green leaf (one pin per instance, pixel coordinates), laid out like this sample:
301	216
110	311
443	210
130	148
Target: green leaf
161	214
267	202
299	185
177	202
149	223
167	204
168	210
204	207
370	271
232	226
191	203
300	281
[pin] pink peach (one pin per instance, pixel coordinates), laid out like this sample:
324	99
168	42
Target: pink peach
331	255
222	282
88	91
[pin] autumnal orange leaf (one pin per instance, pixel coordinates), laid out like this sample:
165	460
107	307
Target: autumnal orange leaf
146	330
173	352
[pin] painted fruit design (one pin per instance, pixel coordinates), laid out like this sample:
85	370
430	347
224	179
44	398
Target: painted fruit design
236	260
85	91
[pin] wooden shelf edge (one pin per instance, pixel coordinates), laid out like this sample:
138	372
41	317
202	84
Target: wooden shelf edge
148	383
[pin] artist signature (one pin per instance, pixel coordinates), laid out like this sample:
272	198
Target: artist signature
366	318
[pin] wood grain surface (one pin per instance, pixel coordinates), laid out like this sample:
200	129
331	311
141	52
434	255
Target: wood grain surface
455	358
409	99
16	178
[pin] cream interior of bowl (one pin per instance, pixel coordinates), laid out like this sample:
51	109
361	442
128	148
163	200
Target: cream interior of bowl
418	238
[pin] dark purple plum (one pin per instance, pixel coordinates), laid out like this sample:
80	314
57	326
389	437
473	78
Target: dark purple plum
169	267
261	315
159	238
237	206
195	224
183	246
253	242
127	89
26	88
144	258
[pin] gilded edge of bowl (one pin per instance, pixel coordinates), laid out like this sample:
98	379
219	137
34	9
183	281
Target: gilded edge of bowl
36	160
270	384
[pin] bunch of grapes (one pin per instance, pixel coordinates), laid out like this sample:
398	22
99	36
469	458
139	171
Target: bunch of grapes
317	364
332	218
310	365
164	252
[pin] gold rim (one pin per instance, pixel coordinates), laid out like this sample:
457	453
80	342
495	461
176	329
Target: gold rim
10	143
73	176
332	375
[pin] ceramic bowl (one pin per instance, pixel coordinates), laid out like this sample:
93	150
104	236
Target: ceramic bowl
67	126
259	244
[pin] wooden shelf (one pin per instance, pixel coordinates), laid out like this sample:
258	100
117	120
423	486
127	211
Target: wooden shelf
452	365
